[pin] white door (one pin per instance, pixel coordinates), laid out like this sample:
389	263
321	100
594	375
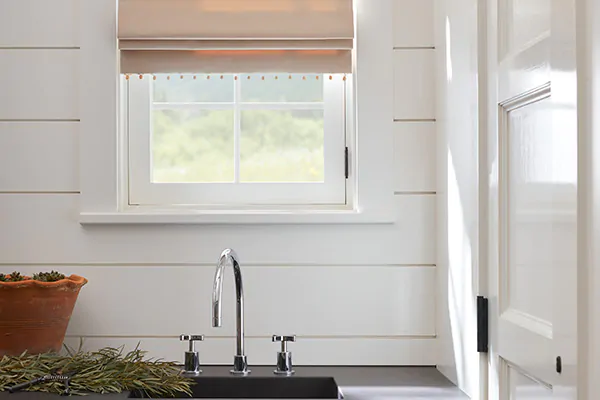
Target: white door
532	207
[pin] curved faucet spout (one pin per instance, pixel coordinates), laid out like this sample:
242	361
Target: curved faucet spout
228	256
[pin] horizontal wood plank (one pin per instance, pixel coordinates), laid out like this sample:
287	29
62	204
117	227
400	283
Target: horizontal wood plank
414	84
413	23
302	300
415	156
39	156
38	23
44	229
39	84
261	351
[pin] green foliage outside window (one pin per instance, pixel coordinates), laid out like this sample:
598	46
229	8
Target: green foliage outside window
197	145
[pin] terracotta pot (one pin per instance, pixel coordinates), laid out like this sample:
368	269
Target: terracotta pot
34	315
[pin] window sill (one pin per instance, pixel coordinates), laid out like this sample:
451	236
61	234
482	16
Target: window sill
235	217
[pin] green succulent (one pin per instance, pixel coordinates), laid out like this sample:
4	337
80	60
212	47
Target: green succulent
51	276
12	277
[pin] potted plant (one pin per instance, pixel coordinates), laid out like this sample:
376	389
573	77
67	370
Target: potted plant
35	311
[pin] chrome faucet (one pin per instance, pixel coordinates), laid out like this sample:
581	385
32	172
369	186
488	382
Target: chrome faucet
240	363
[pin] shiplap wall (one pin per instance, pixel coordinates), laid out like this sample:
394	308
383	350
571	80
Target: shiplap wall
354	294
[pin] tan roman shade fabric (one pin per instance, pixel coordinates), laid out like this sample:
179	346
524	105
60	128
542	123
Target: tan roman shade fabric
230	36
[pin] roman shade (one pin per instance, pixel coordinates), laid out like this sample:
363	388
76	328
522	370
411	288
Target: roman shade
235	36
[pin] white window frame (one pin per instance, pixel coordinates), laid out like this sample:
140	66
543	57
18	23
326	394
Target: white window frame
370	129
137	110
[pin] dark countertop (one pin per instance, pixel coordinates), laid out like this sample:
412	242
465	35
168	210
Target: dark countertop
356	383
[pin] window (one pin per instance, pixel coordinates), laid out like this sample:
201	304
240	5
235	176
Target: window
236	139
161	37
265	129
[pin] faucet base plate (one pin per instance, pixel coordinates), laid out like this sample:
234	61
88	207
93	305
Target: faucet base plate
191	374
240	366
240	373
284	373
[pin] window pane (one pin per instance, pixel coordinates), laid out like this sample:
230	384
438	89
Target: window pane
192	146
282	146
188	89
282	89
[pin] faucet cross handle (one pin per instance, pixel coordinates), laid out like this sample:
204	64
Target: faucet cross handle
284	357
284	341
192	339
192	359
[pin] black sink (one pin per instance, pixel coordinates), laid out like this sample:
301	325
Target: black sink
250	387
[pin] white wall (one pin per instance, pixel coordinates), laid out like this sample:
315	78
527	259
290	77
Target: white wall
355	294
458	191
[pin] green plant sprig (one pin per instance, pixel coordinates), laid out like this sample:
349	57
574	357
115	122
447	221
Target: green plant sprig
108	370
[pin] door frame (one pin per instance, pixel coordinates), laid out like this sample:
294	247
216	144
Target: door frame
588	315
460	277
483	64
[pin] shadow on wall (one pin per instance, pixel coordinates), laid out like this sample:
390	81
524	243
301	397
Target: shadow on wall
458	192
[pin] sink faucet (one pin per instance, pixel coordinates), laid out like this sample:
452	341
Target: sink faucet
240	363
